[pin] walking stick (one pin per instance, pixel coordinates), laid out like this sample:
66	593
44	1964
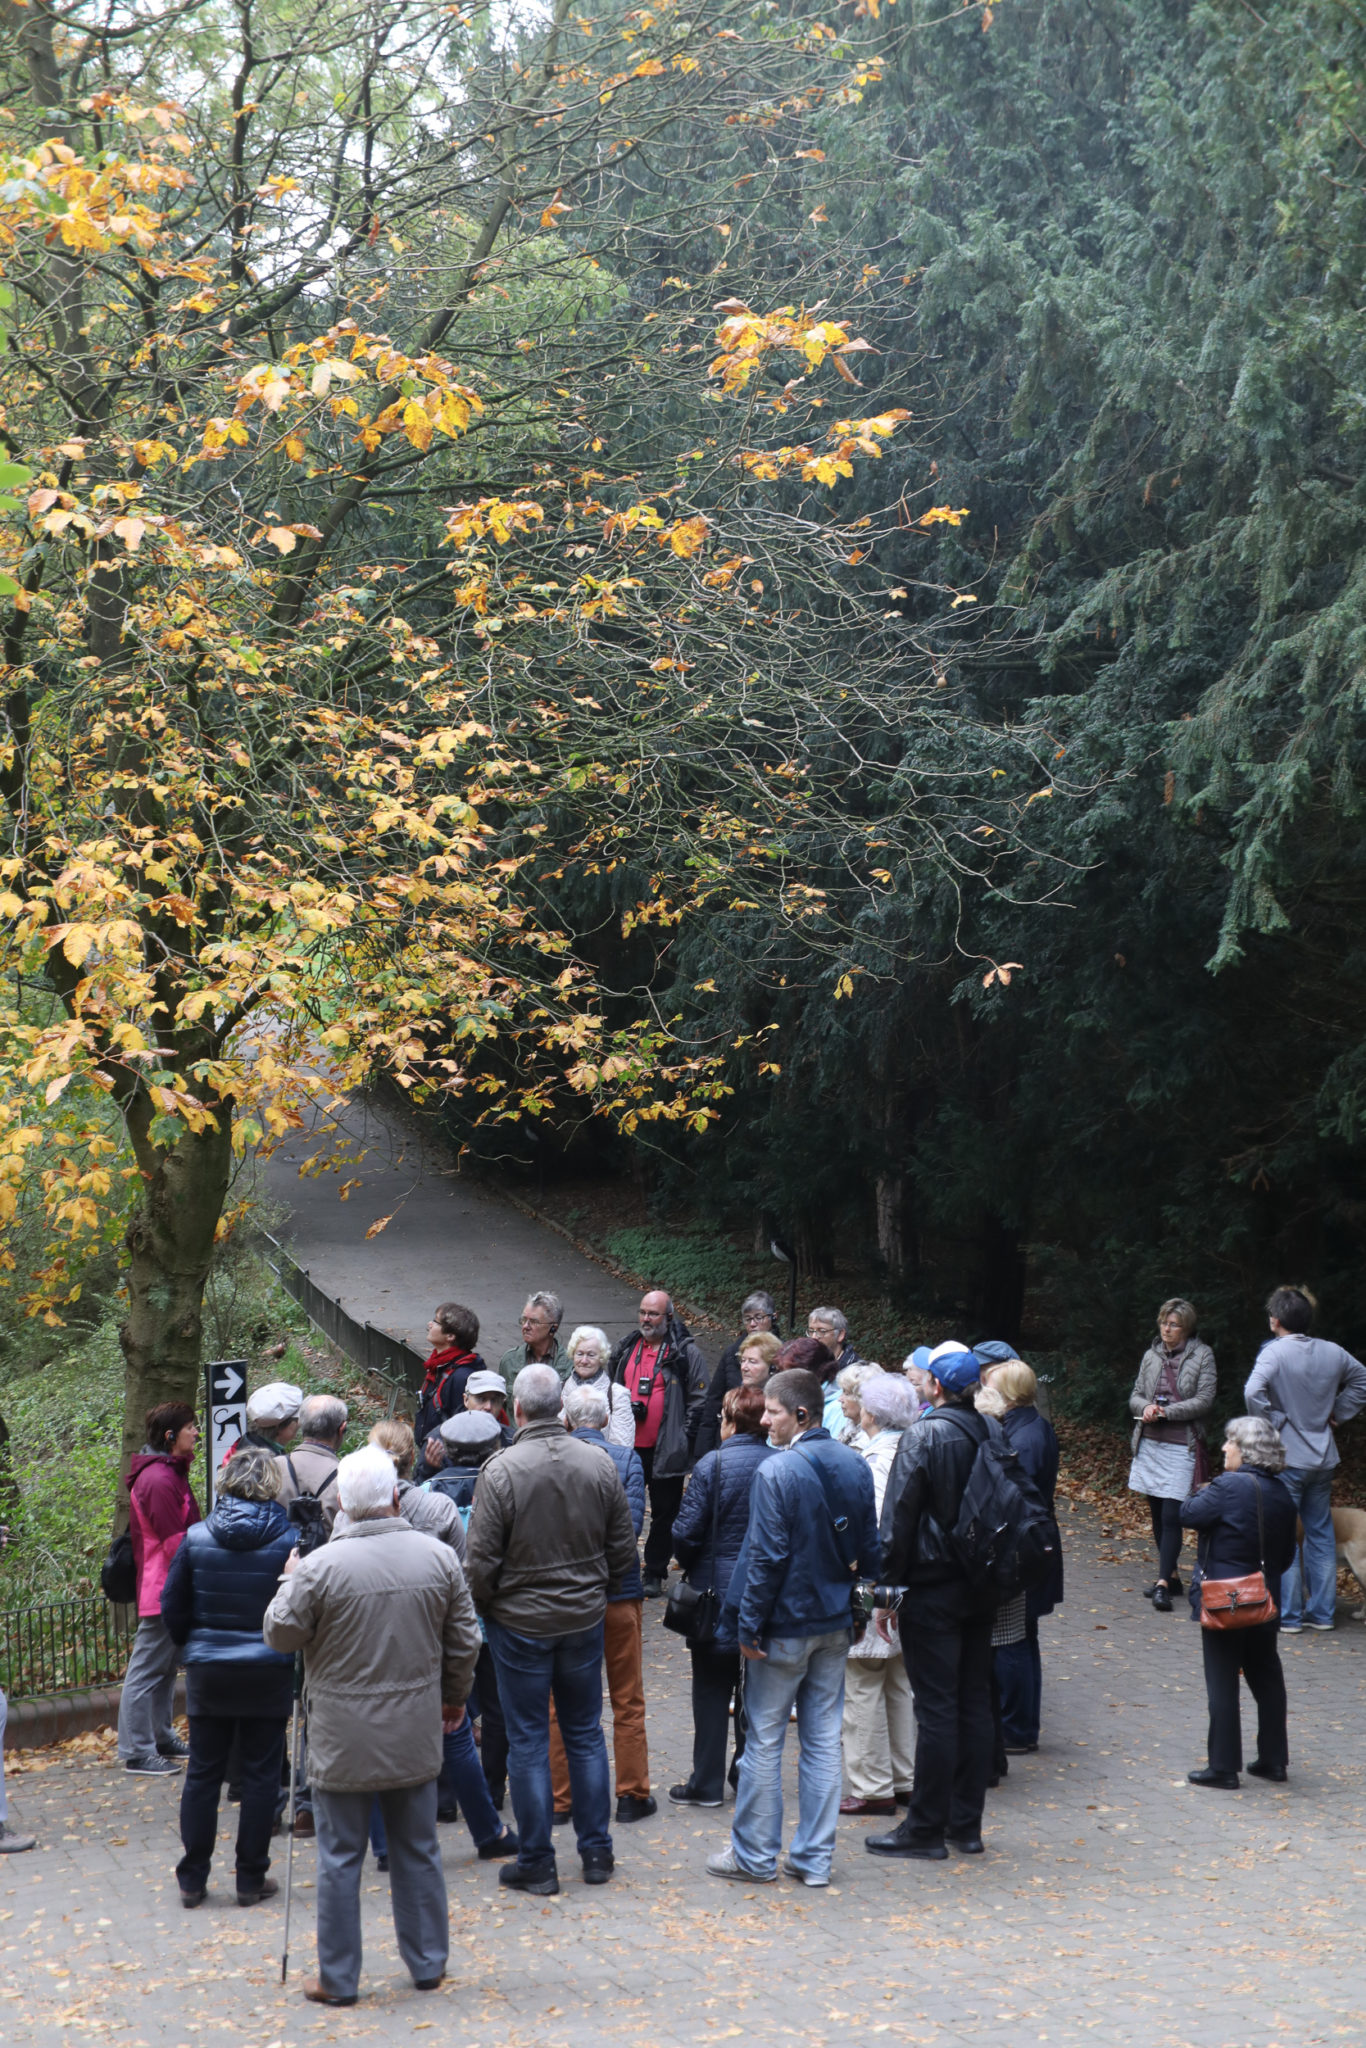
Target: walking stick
293	1780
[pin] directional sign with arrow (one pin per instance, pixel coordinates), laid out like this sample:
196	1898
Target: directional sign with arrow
226	1409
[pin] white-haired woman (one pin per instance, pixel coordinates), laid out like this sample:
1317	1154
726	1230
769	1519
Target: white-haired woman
879	1716
849	1383
1245	1522
589	1355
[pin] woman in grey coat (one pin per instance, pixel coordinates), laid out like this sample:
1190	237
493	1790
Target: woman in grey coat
1173	1393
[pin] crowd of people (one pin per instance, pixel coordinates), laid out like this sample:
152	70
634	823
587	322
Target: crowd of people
866	1551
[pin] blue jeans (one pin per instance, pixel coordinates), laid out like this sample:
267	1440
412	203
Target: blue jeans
529	1668
810	1671
462	1781
1311	1488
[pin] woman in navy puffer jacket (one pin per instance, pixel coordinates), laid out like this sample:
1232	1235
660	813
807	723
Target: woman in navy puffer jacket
707	1537
215	1597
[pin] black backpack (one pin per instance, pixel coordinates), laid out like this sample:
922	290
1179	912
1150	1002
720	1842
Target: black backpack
119	1572
1005	1540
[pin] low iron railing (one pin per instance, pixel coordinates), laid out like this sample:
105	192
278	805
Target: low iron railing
374	1351
63	1646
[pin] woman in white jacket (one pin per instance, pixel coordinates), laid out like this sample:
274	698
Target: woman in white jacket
589	1352
879	1716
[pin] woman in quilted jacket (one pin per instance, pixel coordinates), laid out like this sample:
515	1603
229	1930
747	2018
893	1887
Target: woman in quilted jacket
707	1536
161	1507
219	1586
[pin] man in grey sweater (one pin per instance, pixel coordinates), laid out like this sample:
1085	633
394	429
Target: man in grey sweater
550	1534
1305	1386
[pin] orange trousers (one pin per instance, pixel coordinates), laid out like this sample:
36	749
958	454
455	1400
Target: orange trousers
622	1649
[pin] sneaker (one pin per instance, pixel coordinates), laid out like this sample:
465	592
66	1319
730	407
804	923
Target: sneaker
1325	1626
152	1767
175	1747
598	1866
542	1880
12	1844
1291	1628
807	1877
631	1806
723	1864
683	1795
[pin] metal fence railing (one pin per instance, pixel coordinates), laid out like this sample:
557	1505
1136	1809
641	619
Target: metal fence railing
63	1646
374	1351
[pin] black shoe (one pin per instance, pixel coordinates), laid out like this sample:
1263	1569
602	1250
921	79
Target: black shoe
684	1795
429	1983
904	1841
381	1862
559	1820
266	1889
193	1898
1275	1774
1162	1599
992	1784
598	1866
1021	1748
653	1586
542	1880
966	1841
448	1813
502	1845
1216	1781
631	1807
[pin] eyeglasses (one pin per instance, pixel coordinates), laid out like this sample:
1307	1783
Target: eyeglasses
755	1315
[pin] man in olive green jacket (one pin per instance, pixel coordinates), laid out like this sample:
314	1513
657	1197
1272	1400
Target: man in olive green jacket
390	1640
549	1533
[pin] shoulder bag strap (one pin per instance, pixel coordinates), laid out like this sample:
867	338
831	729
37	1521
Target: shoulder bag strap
839	1520
1261	1525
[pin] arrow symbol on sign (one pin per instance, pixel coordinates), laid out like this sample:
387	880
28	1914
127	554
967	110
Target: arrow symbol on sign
228	1383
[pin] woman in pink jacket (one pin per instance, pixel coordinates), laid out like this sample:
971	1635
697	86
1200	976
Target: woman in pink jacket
161	1507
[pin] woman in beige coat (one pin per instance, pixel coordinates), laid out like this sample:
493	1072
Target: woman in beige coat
879	1716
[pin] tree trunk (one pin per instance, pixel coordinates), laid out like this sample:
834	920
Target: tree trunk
889	1196
170	1246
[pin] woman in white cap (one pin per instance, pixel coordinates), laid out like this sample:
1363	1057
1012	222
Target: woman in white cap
272	1419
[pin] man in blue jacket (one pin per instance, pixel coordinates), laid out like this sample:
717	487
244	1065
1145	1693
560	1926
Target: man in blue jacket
586	1416
812	1534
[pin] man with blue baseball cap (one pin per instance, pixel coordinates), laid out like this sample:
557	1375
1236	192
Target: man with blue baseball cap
945	1624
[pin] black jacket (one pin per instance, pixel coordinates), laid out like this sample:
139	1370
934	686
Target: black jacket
1032	1438
726	1376
1225	1515
924	1493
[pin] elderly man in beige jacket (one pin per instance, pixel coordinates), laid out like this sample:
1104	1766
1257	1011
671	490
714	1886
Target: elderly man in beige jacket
389	1636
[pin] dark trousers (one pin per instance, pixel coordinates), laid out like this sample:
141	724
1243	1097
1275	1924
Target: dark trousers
715	1681
1167	1534
260	1747
487	1708
1019	1680
950	1672
666	1498
1254	1652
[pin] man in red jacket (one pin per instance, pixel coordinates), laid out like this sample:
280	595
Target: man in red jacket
161	1508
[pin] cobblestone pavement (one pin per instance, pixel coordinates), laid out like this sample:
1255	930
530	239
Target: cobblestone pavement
1116	1904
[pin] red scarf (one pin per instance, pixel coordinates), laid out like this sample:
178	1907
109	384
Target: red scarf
442	1363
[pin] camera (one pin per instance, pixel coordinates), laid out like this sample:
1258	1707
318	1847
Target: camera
870	1596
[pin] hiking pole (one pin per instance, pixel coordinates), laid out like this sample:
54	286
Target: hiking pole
293	1780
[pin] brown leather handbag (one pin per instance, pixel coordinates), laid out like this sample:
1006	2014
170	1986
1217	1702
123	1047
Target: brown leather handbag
1240	1603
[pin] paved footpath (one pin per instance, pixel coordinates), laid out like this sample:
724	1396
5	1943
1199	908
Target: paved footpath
448	1240
1116	1904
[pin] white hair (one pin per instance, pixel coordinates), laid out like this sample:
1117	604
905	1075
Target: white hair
585	1407
589	1333
851	1378
835	1317
890	1399
365	1483
536	1390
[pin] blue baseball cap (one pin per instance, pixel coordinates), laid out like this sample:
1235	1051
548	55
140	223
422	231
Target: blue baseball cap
955	1367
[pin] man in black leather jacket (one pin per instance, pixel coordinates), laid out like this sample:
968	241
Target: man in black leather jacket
945	1624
